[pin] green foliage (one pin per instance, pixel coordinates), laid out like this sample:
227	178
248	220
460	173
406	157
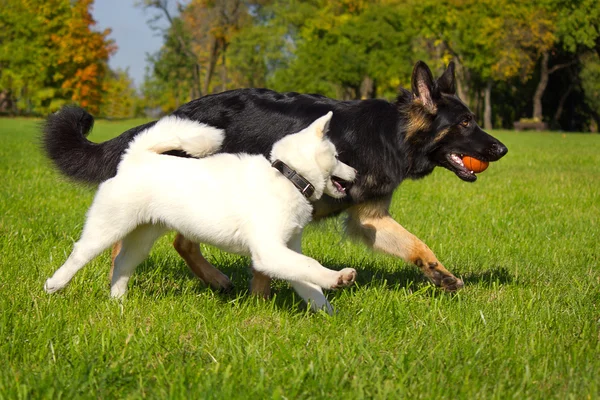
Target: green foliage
524	238
120	99
49	55
26	50
256	53
341	45
577	23
506	41
348	49
590	81
169	82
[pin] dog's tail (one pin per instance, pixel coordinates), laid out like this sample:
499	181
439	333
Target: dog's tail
174	133
64	142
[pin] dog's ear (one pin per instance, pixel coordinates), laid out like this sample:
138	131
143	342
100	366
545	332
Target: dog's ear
447	82
423	86
321	125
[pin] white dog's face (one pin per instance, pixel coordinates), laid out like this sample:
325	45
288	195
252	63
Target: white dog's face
338	174
314	156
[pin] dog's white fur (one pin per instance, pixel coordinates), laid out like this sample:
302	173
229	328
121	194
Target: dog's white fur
238	203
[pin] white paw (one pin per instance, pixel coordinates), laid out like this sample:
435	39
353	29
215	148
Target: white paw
51	287
117	293
346	277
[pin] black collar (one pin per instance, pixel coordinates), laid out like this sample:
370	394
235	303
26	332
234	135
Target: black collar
305	187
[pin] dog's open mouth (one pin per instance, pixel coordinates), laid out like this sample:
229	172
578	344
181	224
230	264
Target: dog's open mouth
340	184
457	166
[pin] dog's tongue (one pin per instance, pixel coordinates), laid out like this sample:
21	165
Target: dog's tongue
338	185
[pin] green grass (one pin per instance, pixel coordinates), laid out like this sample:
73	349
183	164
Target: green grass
524	237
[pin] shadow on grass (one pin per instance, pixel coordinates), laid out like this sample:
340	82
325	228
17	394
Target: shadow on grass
405	277
489	277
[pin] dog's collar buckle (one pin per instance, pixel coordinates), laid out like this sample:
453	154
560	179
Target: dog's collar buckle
303	185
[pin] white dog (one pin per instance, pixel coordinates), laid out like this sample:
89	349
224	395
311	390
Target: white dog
239	203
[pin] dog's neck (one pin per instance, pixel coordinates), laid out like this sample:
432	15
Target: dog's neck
304	186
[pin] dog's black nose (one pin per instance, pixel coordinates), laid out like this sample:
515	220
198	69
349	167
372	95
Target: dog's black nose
499	150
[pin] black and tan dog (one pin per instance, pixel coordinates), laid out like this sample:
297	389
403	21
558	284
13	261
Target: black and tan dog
386	142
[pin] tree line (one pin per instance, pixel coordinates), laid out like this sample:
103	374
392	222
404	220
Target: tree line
516	60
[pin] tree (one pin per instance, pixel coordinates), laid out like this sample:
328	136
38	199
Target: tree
49	55
590	84
344	48
353	49
82	57
26	54
504	44
201	35
119	99
576	29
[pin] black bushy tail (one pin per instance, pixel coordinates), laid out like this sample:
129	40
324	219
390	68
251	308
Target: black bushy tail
65	143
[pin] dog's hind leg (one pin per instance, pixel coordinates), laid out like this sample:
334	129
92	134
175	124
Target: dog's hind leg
190	252
134	249
372	223
98	234
260	285
116	249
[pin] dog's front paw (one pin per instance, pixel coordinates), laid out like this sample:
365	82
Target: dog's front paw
117	292
51	286
346	277
439	275
452	284
448	282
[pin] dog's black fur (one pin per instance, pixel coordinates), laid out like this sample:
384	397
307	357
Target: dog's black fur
386	142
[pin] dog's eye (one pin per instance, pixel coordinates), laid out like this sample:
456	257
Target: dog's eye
465	122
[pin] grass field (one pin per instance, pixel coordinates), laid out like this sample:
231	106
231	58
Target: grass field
525	239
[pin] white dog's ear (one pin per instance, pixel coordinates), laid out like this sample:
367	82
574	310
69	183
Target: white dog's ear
321	125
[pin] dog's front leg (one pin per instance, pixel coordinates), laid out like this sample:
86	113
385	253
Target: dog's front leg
311	293
372	223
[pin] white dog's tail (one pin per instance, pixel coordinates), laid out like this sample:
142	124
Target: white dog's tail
173	133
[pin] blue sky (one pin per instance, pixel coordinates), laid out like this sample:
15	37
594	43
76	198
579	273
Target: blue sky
131	33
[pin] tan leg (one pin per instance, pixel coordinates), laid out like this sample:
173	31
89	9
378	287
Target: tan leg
260	285
194	259
190	252
372	223
115	252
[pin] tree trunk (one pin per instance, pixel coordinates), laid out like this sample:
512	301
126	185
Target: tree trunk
487	113
196	89
477	103
539	92
561	104
212	61
224	69
462	88
366	88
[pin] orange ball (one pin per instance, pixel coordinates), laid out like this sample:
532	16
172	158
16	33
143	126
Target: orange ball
474	164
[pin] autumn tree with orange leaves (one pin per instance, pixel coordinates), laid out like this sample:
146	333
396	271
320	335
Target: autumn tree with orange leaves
50	56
